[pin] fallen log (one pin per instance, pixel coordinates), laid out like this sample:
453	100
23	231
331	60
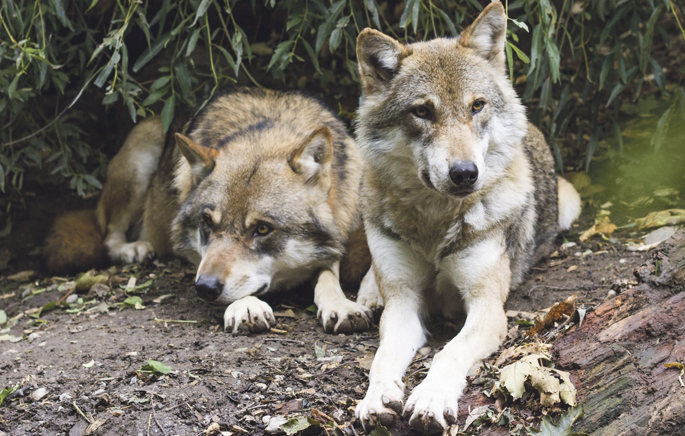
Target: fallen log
617	356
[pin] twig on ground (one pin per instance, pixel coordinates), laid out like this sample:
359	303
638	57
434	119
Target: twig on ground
283	340
180	321
64	297
550	287
81	413
154	416
328	371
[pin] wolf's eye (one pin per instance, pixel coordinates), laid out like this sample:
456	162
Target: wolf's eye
421	111
263	229
477	106
207	220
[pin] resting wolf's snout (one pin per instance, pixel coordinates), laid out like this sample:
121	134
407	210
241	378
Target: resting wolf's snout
464	174
208	288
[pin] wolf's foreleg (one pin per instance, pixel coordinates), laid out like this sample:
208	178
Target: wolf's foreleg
401	274
336	312
482	275
368	294
123	197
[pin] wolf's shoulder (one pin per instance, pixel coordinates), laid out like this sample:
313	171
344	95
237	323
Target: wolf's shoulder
536	148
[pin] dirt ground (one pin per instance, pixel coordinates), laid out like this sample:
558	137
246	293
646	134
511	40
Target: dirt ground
78	365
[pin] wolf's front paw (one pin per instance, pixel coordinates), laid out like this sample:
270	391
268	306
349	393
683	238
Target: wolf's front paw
432	406
345	316
247	315
369	295
381	405
137	251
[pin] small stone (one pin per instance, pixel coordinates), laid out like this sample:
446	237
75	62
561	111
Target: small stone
611	293
72	299
38	394
424	351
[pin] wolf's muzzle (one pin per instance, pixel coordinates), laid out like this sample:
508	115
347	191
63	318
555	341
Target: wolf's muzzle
209	288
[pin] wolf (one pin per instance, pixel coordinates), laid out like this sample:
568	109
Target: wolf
260	189
459	198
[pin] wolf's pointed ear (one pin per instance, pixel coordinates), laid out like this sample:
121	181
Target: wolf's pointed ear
486	36
312	159
379	59
200	158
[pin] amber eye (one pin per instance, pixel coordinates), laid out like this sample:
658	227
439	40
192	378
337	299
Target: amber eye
207	220
477	106
263	229
421	111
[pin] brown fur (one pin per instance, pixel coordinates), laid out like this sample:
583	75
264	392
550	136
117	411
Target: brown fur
249	158
75	244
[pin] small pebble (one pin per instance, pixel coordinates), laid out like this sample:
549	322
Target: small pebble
38	394
611	293
72	299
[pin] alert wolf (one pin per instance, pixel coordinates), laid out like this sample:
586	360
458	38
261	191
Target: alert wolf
459	198
260	190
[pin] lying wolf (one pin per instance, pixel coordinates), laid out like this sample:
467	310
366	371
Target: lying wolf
459	198
261	190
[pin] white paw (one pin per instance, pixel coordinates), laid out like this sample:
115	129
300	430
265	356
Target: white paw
137	251
345	316
249	314
432	406
372	301
369	294
381	405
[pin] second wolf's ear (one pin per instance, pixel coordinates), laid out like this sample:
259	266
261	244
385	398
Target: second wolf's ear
486	36
200	158
312	159
379	59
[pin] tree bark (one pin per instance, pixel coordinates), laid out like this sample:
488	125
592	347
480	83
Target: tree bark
617	356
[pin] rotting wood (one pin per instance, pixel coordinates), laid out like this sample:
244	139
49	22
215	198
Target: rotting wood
617	357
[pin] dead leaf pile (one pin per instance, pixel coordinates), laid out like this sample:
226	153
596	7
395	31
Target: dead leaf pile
602	226
668	217
558	312
553	385
561	428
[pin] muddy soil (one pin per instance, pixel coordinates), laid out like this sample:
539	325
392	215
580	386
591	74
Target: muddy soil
79	366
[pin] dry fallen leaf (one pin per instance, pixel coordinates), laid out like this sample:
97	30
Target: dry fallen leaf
23	276
554	386
556	313
366	361
661	218
675	365
572	268
602	226
513	353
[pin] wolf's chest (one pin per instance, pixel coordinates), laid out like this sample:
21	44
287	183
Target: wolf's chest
433	229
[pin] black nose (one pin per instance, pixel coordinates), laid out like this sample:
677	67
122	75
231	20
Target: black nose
208	287
464	174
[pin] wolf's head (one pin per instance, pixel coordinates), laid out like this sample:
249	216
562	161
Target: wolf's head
256	213
444	108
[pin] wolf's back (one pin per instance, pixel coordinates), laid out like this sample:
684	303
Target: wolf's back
74	244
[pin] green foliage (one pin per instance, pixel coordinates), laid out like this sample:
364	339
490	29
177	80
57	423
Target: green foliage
61	61
155	367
